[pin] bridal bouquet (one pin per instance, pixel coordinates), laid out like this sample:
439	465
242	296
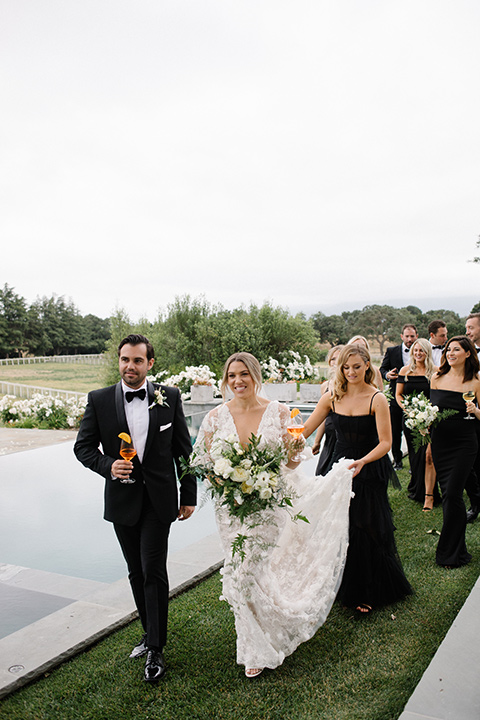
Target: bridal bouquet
246	480
420	416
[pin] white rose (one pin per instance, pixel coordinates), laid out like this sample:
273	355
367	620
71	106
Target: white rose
265	493
240	475
247	464
222	467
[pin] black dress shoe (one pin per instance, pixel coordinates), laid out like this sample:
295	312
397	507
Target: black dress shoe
154	666
398	465
472	514
140	649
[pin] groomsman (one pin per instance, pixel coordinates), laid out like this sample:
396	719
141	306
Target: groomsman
141	496
472	486
395	358
437	331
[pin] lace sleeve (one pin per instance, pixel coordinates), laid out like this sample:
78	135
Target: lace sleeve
201	449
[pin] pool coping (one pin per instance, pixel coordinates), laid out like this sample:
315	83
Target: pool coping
28	653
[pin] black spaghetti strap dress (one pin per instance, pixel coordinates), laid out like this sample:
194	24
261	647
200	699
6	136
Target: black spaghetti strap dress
373	572
415	384
325	460
454	449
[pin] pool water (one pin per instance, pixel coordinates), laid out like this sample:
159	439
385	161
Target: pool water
51	517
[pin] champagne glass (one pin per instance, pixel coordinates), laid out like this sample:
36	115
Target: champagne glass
295	428
127	452
467	396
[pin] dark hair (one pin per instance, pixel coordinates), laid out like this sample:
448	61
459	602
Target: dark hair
474	316
435	326
138	340
407	325
472	365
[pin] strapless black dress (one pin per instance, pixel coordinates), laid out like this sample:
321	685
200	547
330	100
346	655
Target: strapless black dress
373	573
454	449
416	487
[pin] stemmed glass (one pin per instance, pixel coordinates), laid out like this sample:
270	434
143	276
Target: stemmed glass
295	428
467	396
127	452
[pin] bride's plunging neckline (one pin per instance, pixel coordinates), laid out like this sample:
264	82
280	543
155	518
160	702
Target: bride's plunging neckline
256	433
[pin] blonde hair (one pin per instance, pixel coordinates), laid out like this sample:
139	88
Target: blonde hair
252	365
340	384
427	349
354	341
333	350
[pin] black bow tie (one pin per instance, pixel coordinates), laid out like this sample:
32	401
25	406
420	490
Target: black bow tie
130	394
438	347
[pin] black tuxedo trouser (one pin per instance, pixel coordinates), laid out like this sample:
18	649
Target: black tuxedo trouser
144	547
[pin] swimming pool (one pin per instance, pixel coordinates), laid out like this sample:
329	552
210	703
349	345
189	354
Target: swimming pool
51	517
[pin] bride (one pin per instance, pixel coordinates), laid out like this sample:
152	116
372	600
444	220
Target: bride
282	590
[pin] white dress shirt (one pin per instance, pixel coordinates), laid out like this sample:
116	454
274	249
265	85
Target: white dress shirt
405	355
138	419
436	355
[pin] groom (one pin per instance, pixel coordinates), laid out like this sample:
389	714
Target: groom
141	497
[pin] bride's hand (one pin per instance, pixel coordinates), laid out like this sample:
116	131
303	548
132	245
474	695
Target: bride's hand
356	466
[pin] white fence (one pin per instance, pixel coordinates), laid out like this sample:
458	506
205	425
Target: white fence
27	391
84	359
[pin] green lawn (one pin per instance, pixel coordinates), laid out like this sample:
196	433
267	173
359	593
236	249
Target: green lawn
351	670
61	376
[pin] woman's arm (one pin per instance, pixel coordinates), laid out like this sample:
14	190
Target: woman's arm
321	411
470	406
400	386
384	431
318	438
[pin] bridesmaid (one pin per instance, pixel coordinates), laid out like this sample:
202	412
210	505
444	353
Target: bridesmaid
373	574
360	340
415	378
454	443
326	428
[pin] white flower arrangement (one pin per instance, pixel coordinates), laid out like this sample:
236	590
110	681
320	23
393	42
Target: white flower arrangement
42	411
289	368
192	375
421	416
246	480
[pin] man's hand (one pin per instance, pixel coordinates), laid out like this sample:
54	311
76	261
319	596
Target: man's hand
185	512
122	469
392	374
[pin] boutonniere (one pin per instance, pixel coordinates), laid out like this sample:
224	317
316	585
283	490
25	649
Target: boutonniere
159	399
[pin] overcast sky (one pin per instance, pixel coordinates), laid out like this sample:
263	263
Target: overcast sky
318	155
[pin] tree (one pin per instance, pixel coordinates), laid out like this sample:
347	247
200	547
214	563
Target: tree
475	308
476	259
13	323
330	328
382	323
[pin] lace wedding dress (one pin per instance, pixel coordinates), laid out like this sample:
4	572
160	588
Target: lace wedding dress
283	590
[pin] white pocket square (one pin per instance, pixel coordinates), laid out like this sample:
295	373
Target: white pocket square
165	427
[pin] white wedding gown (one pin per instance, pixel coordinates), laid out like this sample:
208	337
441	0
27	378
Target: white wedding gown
283	594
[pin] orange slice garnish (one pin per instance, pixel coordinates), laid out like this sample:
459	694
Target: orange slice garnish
294	412
126	437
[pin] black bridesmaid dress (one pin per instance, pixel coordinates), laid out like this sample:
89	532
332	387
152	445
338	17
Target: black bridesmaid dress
325	460
373	573
454	449
416	487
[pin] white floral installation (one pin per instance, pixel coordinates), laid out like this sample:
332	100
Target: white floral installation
289	368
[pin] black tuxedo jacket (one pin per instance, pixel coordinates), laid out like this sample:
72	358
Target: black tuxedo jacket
168	440
393	358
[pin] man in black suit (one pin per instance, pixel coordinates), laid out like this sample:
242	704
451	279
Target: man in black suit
141	497
395	358
472	486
